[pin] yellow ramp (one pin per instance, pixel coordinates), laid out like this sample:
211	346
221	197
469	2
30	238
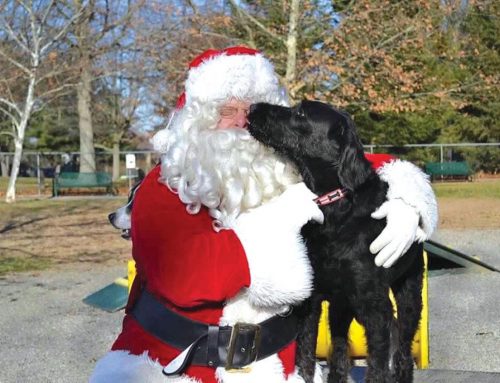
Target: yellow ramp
357	340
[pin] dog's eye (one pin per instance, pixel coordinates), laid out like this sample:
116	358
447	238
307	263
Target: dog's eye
300	113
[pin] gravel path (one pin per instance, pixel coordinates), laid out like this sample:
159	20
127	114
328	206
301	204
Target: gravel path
49	335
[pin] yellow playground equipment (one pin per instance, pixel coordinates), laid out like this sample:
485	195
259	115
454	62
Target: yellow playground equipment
357	340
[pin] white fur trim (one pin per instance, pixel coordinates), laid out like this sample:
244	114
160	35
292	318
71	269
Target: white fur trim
266	370
318	374
160	140
243	76
270	234
296	378
122	367
410	184
240	309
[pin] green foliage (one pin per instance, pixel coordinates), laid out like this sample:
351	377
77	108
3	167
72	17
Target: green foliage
486	159
459	99
55	128
395	128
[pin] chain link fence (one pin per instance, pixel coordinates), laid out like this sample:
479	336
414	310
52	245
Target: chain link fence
481	157
39	168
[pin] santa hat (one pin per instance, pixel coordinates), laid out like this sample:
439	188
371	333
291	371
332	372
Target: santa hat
236	72
218	75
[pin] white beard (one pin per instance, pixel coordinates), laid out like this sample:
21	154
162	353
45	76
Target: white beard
225	170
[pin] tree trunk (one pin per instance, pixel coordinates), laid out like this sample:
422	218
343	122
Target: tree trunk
148	162
10	196
16	163
84	89
87	151
116	161
291	46
4	165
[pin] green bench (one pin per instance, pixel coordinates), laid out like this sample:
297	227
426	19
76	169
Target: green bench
449	170
82	180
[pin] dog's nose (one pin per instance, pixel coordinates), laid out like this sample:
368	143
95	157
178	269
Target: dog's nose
111	218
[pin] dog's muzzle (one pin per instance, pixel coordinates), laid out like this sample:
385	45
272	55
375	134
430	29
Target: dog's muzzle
125	233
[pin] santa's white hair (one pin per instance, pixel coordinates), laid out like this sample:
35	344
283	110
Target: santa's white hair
225	170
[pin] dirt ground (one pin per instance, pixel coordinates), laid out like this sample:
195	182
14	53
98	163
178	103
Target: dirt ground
64	231
466	213
71	230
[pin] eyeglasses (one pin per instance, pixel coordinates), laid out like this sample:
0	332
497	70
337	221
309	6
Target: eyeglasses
232	111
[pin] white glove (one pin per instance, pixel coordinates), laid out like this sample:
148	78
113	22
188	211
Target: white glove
298	202
399	234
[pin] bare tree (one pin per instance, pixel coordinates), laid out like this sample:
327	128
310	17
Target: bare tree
291	45
101	32
285	39
30	32
84	87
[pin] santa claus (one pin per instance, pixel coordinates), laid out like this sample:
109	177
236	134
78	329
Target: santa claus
216	238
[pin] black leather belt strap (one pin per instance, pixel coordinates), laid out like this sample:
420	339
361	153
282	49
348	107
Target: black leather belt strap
230	346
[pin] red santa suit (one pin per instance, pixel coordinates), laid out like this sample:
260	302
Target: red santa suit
255	270
208	276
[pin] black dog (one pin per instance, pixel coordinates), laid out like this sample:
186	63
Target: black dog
322	142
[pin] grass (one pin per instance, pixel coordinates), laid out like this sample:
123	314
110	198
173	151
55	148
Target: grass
28	186
35	207
18	264
479	189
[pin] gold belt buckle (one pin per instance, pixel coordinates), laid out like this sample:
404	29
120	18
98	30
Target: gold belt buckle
237	329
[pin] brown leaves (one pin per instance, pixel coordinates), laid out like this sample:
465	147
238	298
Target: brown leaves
380	56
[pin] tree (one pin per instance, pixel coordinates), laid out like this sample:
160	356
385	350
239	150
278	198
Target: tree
101	32
31	66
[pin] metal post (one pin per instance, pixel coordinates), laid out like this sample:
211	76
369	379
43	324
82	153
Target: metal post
441	147
38	174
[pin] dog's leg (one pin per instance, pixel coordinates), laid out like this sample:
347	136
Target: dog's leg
309	313
374	312
408	294
340	317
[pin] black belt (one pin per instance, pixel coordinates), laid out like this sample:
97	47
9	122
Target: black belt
233	347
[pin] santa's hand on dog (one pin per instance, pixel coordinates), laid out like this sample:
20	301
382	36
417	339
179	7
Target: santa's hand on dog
400	232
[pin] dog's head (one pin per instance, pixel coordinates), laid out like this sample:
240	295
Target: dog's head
120	219
315	136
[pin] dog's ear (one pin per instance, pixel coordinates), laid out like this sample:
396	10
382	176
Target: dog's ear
353	169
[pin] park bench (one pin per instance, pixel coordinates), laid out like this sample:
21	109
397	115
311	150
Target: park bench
445	170
82	180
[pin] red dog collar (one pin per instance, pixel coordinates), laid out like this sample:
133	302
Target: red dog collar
331	197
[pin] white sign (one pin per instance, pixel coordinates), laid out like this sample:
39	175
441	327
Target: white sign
130	161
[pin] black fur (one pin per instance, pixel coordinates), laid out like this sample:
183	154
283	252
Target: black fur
322	142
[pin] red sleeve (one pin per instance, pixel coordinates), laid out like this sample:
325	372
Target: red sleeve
179	257
377	160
